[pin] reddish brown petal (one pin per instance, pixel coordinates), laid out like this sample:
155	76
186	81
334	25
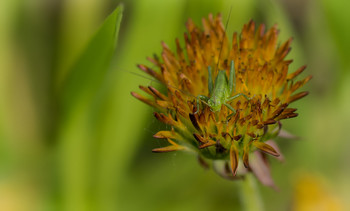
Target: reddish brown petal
234	159
251	135
207	144
299	84
275	102
154	60
143	99
255	122
289	110
297	96
145	89
163	103
238	137
287	116
172	147
246	158
270	122
157	93
150	72
167	119
203	143
279	110
260	126
284	49
296	73
275	146
266	148
164	134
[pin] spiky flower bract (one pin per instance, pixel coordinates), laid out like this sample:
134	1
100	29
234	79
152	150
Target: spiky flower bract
261	73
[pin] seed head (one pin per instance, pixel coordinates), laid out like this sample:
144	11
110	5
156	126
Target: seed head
261	74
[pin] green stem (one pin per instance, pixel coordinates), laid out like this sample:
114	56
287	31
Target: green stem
250	195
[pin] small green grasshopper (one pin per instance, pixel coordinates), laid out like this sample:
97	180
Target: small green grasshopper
220	92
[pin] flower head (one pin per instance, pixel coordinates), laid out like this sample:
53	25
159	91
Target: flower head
232	129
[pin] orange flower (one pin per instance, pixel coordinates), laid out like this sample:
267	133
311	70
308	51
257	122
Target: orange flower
261	74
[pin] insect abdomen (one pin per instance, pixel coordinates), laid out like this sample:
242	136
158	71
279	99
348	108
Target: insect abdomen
220	86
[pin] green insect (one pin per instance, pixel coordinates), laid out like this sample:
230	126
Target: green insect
220	92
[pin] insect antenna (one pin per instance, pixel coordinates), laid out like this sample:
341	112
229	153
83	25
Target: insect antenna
222	41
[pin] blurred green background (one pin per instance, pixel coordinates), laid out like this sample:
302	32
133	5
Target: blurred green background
73	138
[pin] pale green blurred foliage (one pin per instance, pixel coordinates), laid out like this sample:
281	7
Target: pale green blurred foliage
96	155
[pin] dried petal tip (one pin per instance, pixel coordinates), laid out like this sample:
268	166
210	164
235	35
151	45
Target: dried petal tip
234	159
246	158
297	96
143	99
266	148
171	148
164	134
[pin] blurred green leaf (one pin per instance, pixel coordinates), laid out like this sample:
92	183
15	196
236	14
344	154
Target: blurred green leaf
85	16
78	97
337	17
122	122
86	76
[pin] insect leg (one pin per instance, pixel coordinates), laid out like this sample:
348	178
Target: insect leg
237	95
230	107
232	79
201	98
210	81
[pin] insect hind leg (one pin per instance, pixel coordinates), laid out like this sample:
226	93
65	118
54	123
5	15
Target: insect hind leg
232	109
201	98
236	96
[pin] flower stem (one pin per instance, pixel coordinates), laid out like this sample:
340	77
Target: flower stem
250	195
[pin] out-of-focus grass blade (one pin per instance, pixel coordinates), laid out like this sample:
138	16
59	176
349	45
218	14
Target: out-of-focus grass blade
123	119
76	131
83	15
86	75
338	16
6	19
